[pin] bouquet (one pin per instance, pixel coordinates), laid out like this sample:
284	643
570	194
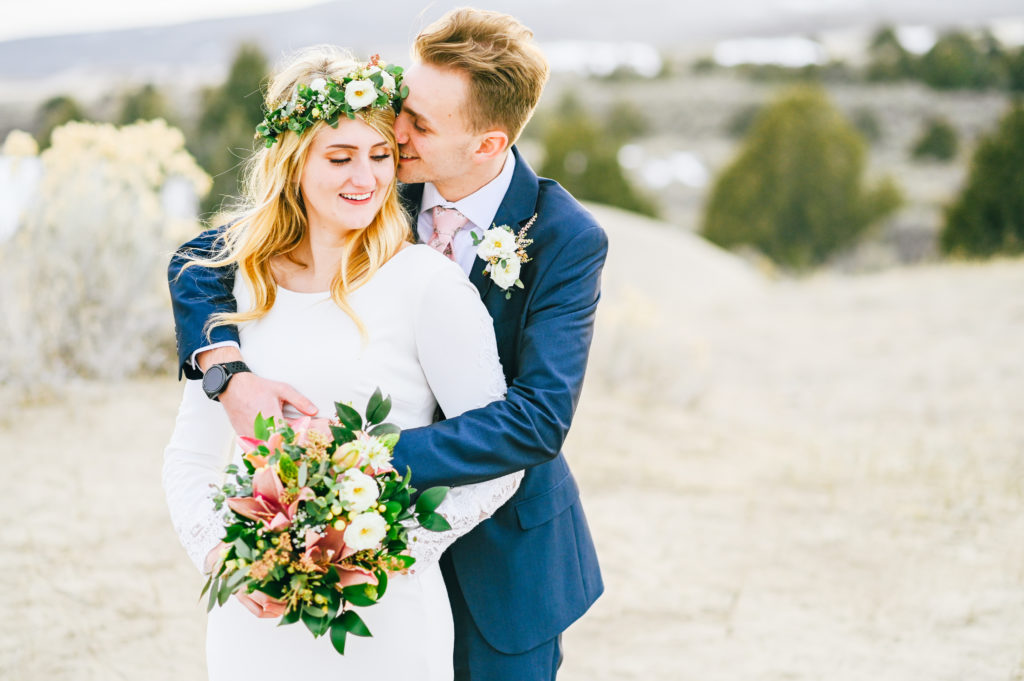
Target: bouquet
320	522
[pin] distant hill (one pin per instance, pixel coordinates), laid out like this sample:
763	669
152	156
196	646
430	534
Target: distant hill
196	46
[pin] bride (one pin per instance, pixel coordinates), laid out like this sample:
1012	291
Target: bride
333	299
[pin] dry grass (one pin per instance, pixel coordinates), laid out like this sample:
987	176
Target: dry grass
822	479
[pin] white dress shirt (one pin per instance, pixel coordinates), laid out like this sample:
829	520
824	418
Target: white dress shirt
480	207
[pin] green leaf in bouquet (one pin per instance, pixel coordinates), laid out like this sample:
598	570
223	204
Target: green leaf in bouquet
378	408
261	427
393	508
290	617
342	435
224	592
235	580
385	429
249	466
338	635
315	620
434	522
214	590
354	623
243	550
303	474
206	587
363	595
348	416
231	469
289	471
382	583
389	440
430	500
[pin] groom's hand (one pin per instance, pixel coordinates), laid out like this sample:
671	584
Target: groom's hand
248	394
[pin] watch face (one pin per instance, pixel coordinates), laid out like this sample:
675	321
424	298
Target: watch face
214	380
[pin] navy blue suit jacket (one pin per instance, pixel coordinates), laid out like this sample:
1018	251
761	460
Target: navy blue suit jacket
531	570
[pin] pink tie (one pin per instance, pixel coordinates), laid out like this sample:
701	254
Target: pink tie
447	221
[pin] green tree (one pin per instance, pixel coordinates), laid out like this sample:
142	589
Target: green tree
627	121
938	141
54	113
796	190
988	216
227	122
887	58
144	104
580	157
1015	70
956	61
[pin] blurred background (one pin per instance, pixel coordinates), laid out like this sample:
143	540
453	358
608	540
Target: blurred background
801	444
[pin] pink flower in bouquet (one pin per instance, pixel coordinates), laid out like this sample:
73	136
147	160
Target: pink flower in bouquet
251	445
269	502
329	549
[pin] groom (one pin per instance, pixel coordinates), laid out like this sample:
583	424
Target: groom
518	580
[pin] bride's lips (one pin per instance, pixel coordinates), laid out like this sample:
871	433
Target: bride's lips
357	199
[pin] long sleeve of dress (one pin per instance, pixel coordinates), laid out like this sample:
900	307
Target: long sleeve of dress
459	355
194	462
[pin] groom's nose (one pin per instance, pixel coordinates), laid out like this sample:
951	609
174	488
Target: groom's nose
402	128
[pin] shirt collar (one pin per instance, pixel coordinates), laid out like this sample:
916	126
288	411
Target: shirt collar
482	205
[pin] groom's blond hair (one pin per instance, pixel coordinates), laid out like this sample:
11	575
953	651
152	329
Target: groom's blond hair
506	69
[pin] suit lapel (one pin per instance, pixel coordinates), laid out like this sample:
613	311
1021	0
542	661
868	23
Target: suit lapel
516	208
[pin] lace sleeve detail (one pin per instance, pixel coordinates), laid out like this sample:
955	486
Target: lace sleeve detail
464	508
193	468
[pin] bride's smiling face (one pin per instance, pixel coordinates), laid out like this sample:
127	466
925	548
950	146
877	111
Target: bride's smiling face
346	177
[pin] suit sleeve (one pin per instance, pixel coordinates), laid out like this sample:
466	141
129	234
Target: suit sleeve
197	293
530	425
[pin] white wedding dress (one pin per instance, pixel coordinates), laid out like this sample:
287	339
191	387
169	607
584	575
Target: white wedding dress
430	341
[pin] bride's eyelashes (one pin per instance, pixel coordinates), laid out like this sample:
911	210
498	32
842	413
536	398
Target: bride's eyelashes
379	158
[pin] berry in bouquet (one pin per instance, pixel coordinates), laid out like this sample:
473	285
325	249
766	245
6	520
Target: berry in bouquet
319	522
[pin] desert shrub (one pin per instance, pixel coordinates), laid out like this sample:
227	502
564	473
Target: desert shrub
867	123
227	121
956	61
888	60
988	216
145	103
1015	70
796	190
581	155
82	283
740	122
938	141
54	113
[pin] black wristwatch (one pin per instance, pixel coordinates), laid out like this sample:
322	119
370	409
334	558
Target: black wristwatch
215	380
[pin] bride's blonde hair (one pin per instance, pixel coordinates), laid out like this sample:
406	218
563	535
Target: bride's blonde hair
271	219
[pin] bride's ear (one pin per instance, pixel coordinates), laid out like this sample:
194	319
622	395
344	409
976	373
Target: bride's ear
493	143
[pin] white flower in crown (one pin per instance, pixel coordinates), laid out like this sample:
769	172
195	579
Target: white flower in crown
360	93
319	85
505	253
388	82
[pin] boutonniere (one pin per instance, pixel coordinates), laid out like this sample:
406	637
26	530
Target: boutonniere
505	254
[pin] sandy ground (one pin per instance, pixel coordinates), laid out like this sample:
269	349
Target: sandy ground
815	479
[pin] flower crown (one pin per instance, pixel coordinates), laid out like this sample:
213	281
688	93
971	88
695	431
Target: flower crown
376	84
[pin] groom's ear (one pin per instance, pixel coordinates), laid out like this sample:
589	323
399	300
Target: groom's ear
492	144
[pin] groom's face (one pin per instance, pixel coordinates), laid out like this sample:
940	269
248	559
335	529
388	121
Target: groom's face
434	140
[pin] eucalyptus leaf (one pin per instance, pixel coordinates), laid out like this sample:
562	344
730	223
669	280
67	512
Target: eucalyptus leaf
385	429
303	474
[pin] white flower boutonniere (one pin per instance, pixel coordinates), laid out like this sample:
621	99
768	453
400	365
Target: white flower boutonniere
505	254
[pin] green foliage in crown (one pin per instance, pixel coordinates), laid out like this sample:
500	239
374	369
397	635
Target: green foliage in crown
375	85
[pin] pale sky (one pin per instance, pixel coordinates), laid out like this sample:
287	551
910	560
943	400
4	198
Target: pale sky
26	18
